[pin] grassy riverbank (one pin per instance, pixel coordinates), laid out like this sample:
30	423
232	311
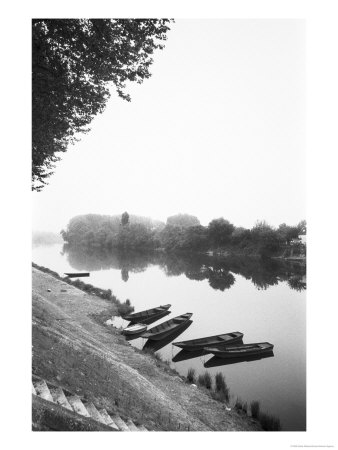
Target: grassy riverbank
72	347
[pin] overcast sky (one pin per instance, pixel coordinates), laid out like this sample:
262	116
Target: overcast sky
218	130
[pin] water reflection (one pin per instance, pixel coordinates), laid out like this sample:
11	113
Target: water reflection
220	272
215	361
183	355
157	345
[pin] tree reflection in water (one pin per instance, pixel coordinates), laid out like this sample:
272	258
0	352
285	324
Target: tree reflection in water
220	272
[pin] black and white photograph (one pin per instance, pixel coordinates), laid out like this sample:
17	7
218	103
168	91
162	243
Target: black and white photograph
169	221
169	228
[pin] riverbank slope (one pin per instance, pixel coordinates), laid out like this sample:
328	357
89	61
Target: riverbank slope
73	348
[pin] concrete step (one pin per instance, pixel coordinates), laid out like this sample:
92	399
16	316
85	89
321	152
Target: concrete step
94	413
33	389
142	428
77	405
43	391
108	419
120	422
131	425
60	398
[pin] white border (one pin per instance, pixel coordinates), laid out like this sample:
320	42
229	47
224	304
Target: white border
321	188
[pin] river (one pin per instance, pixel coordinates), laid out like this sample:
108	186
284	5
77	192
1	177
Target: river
265	300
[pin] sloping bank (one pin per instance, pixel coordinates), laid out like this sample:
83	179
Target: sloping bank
72	347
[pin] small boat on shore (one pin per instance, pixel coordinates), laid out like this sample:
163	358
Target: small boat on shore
77	275
155	317
135	329
216	361
241	350
166	328
160	343
210	341
146	314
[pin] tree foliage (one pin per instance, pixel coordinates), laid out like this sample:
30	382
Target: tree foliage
183	220
125	219
287	233
74	64
302	227
219	231
135	232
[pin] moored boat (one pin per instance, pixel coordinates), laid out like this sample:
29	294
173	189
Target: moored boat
216	361
153	345
135	329
166	328
146	314
239	351
210	341
155	317
77	275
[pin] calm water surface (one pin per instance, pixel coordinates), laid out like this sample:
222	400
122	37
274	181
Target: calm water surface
265	301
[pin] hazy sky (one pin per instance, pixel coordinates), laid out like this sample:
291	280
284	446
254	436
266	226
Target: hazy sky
218	130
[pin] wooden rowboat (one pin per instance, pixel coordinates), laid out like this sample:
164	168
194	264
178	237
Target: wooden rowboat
155	317
210	341
216	362
240	350
166	328
135	329
77	275
146	314
153	345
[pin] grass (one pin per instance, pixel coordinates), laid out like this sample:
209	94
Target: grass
151	352
221	392
269	422
221	386
191	376
82	370
106	294
255	407
205	380
239	404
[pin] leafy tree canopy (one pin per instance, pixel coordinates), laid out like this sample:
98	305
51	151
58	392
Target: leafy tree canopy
74	63
302	227
220	230
287	232
125	219
183	220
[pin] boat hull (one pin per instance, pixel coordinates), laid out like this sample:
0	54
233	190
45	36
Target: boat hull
77	275
134	329
216	362
211	341
154	318
242	351
146	314
165	329
156	345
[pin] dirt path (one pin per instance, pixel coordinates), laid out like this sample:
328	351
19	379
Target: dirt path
75	349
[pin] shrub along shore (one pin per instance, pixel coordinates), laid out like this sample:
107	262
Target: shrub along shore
106	294
220	391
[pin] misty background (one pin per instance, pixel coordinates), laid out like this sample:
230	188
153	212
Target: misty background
218	130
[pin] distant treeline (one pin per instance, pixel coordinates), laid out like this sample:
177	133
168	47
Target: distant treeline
45	238
182	232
